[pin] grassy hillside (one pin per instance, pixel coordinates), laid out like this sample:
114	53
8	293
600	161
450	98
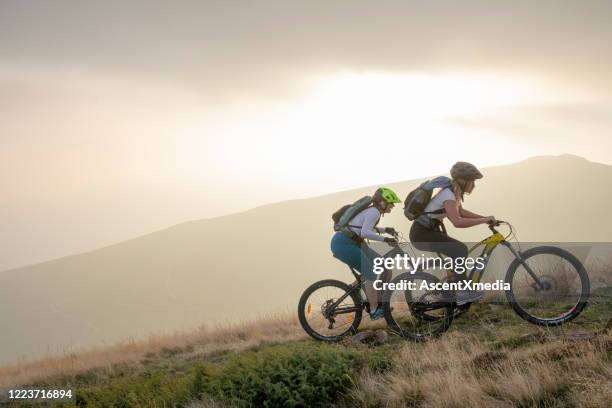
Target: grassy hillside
489	357
260	261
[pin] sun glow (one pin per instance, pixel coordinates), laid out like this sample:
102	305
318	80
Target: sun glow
356	119
422	96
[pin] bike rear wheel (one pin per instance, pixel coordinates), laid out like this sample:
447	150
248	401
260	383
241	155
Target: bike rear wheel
562	294
419	313
321	318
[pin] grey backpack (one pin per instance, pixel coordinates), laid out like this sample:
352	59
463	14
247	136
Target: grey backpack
417	199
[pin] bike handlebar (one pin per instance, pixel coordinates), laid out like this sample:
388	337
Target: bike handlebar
497	223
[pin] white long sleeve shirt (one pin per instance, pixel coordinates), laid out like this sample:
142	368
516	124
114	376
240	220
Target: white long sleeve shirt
365	222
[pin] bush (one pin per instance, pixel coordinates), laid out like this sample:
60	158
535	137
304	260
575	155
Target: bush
297	376
148	389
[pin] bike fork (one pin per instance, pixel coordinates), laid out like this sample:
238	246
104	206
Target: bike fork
519	257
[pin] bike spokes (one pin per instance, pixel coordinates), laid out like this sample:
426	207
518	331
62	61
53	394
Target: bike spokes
549	286
329	309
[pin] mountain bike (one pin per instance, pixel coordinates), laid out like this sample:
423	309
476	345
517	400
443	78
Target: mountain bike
548	286
330	309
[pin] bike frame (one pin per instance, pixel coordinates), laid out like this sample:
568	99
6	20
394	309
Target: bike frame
353	287
489	244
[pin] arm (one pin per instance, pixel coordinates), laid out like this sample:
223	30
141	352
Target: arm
367	229
387	230
458	220
468	214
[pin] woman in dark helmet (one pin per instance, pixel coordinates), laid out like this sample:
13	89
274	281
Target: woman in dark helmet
347	245
428	233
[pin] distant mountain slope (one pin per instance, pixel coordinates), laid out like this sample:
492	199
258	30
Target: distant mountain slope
240	265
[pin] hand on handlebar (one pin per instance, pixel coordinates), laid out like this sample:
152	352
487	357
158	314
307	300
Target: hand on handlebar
391	231
492	221
497	223
391	241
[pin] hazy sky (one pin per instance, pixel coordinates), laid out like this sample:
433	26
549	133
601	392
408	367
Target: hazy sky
119	118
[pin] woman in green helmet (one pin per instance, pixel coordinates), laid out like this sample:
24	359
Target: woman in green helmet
350	248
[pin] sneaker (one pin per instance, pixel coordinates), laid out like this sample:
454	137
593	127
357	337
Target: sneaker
377	314
468	296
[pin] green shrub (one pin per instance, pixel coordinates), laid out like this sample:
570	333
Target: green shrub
297	376
145	390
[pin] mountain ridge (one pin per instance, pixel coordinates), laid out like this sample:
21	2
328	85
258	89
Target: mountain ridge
564	156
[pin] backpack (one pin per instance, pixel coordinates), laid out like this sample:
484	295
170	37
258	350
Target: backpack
346	213
417	199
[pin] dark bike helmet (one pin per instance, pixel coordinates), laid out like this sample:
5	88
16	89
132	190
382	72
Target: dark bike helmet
466	171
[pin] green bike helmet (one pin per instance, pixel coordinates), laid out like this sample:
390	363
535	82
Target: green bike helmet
386	194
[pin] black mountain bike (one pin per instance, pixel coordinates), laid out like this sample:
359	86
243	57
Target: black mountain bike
330	309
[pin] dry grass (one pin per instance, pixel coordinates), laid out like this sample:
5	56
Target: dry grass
206	404
201	342
460	370
600	272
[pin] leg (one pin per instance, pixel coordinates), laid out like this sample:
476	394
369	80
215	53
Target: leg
349	252
437	241
371	294
367	272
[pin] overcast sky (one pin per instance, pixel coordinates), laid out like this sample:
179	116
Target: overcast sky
120	118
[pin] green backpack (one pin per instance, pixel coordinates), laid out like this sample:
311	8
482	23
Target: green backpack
346	213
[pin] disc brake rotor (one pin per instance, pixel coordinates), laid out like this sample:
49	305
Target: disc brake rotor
548	285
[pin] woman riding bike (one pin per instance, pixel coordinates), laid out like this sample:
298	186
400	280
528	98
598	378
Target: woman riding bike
352	249
428	232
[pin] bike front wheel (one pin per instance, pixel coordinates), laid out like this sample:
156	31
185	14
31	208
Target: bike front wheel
330	309
548	287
